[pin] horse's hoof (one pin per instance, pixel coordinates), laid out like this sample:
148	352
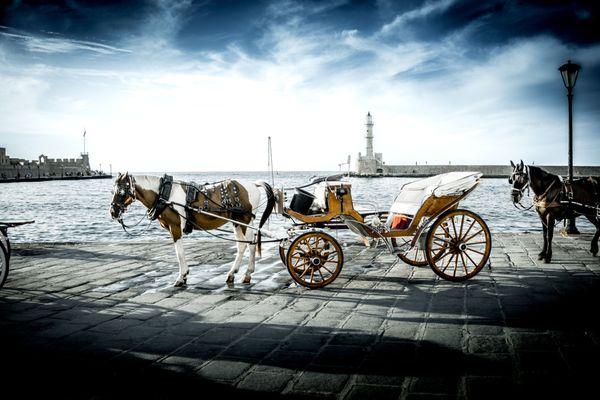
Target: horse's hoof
547	260
229	279
247	279
541	256
180	283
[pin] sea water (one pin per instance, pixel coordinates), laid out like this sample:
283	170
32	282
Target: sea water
78	211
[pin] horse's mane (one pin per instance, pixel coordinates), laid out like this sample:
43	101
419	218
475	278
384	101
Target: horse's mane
149	182
539	172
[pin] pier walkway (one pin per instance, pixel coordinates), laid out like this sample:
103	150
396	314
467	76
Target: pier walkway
100	321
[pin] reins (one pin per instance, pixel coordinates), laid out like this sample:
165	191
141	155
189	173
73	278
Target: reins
125	227
253	242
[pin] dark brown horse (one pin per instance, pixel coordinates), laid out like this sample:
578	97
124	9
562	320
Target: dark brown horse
556	200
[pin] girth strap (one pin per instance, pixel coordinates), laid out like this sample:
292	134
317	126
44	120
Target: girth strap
190	197
164	193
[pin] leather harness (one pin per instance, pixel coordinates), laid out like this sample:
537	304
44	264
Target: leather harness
564	197
164	193
229	200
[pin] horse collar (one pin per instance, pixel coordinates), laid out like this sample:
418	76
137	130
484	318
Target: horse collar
162	198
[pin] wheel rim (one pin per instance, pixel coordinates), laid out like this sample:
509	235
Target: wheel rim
466	243
282	250
415	256
314	259
3	264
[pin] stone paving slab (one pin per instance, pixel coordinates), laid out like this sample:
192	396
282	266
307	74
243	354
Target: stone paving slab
101	321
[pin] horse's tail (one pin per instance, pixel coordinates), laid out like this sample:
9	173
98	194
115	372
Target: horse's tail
266	213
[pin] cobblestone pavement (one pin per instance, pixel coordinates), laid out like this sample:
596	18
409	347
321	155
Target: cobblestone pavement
101	321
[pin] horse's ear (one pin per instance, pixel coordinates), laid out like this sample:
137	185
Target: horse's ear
522	165
512	164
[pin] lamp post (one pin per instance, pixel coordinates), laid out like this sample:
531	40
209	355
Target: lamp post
569	73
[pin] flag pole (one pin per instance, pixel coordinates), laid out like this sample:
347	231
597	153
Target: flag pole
84	132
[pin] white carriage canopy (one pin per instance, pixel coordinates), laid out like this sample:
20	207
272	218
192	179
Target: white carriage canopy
413	194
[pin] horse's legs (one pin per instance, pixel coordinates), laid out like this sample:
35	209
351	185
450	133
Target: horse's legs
550	234
183	267
251	257
241	248
542	254
596	222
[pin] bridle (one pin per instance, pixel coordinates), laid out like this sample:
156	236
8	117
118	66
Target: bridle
124	191
516	176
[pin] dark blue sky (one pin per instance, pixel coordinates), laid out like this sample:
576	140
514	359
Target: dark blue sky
445	72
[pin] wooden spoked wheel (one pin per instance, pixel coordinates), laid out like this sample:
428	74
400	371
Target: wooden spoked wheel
314	259
465	241
283	248
4	259
416	256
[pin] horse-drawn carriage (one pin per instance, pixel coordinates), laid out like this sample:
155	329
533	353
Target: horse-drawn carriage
424	226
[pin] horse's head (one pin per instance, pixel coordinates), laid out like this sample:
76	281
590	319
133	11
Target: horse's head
519	179
123	195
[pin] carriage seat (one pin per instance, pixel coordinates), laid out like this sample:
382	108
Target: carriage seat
413	194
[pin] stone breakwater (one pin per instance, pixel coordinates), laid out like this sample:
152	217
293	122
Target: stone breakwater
101	321
489	171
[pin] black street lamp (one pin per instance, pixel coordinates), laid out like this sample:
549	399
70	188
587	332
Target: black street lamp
569	73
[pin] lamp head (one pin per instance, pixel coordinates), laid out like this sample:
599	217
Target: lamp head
569	73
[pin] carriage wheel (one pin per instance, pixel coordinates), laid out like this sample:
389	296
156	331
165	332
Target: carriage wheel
466	241
3	263
416	256
314	259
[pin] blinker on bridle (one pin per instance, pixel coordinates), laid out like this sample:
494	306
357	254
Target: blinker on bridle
123	190
514	178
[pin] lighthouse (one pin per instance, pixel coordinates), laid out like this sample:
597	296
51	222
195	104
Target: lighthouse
371	163
369	126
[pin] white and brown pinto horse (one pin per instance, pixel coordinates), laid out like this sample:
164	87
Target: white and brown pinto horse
146	189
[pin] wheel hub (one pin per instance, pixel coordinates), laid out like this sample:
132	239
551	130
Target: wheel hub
457	246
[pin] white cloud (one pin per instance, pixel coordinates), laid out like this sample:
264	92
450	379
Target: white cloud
310	94
41	44
429	7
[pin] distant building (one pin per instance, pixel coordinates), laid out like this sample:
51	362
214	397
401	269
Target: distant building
371	163
18	168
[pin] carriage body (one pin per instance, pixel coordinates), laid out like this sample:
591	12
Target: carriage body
423	227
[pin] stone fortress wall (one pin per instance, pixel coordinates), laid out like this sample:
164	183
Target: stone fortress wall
488	171
18	168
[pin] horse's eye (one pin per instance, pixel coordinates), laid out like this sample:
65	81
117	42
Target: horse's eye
510	180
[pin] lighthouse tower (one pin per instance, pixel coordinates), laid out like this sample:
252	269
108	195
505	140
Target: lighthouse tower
369	126
371	163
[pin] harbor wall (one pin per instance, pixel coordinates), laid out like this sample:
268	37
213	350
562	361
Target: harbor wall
44	168
489	171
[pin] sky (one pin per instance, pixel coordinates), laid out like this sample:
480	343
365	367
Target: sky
200	85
